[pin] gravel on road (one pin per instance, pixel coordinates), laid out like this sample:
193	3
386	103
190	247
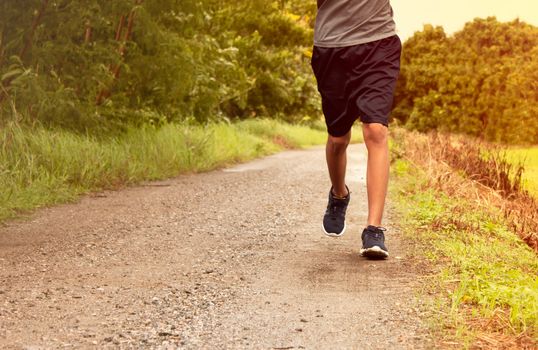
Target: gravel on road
230	259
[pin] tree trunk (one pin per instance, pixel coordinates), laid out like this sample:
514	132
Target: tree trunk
88	33
122	39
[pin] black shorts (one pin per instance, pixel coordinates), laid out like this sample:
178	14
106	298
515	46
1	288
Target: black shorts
357	82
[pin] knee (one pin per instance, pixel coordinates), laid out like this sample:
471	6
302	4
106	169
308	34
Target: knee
338	145
375	134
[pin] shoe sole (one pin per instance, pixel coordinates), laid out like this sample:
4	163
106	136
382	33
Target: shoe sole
332	234
374	253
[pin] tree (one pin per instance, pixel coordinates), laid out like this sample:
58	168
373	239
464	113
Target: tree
481	81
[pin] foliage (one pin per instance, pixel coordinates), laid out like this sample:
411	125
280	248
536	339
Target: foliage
482	81
40	166
94	65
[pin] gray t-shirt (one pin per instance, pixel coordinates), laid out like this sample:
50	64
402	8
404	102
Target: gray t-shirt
342	23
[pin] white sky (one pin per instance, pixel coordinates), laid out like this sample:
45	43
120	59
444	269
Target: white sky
410	15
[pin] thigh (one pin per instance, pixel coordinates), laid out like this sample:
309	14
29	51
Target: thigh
375	70
330	71
332	75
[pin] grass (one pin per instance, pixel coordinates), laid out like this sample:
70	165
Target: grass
41	167
529	157
485	276
467	167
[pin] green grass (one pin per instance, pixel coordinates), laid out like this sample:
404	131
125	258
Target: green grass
529	157
480	266
41	167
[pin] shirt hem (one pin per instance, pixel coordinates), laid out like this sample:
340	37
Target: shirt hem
370	39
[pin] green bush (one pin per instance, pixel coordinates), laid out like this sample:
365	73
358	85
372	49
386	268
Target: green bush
61	65
481	81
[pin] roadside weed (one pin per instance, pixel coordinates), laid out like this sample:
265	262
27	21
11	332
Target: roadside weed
40	167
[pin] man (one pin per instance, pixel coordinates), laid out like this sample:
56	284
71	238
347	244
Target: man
356	61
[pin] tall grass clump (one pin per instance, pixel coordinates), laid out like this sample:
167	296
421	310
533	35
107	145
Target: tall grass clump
40	166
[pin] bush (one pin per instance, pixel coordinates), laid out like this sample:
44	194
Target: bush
89	65
480	82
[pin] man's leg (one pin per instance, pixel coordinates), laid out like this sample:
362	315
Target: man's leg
334	220
337	162
377	176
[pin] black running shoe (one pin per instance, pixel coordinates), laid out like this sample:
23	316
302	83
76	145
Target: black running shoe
373	243
334	221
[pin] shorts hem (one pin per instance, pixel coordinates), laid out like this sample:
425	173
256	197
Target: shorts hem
383	121
339	133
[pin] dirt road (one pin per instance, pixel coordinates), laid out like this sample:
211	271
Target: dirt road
233	258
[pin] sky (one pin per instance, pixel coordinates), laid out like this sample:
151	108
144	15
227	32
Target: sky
411	15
